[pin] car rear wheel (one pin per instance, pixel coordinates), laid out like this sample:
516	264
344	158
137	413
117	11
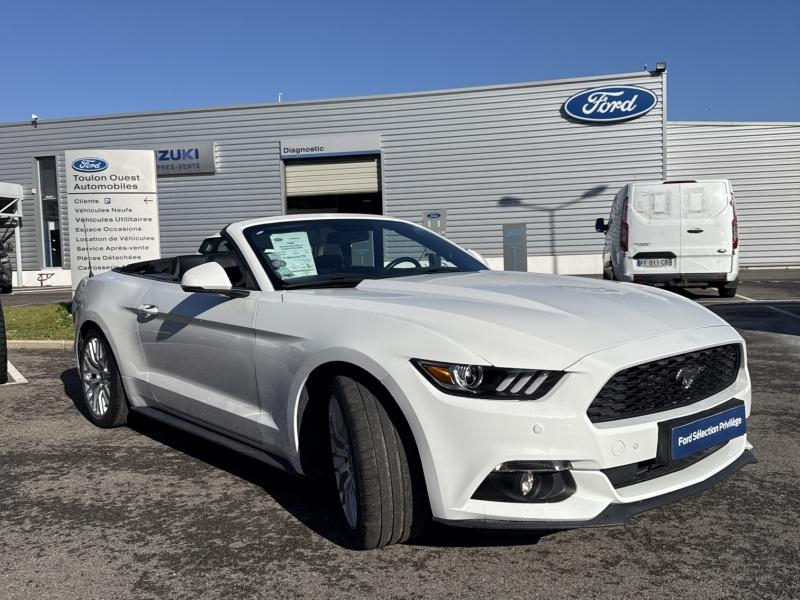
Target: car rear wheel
727	292
371	468
104	400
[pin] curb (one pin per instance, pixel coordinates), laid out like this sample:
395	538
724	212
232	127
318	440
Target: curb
40	344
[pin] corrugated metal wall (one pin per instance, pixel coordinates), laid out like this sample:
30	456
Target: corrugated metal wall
762	160
488	155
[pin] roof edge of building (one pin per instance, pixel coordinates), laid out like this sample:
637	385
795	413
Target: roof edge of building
249	106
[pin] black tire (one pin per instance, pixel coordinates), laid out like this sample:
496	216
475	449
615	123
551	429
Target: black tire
727	292
3	349
6	289
116	411
390	509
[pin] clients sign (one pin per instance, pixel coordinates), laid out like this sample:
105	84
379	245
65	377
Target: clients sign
610	104
112	209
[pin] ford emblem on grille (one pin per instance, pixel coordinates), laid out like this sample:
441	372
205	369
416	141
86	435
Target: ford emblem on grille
687	375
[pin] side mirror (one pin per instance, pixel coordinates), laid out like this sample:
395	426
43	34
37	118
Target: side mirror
210	278
600	226
477	256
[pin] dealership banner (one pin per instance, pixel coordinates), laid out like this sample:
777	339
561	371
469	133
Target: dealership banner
112	209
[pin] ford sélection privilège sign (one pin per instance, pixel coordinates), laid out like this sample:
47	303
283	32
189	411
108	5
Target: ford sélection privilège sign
609	104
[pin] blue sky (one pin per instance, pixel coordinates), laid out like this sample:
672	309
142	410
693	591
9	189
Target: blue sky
728	60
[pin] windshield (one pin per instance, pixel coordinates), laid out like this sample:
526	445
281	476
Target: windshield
333	252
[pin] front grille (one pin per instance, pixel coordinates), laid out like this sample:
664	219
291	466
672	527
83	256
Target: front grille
665	384
650	469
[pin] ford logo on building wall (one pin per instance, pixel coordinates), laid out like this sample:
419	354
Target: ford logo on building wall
612	103
90	165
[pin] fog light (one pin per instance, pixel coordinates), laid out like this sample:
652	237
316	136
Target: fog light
527	481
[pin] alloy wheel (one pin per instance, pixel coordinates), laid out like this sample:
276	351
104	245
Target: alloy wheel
96	377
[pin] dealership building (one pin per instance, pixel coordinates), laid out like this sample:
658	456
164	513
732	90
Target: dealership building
481	158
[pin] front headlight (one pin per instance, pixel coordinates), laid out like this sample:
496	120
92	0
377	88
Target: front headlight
488	382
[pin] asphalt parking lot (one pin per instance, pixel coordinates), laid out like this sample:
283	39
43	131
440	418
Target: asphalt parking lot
145	511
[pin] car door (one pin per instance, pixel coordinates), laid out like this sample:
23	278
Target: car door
199	349
706	227
654	222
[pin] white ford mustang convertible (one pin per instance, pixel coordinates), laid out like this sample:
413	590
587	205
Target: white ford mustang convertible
373	352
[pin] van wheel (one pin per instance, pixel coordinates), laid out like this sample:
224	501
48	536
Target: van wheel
104	400
727	292
371	468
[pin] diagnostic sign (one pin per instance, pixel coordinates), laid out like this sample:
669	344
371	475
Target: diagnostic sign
112	209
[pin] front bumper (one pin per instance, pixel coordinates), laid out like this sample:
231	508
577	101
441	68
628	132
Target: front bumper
686	279
614	514
461	440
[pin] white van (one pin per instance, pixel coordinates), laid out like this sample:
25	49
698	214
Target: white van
678	233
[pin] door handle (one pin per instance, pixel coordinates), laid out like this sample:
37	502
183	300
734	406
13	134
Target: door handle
696	230
148	309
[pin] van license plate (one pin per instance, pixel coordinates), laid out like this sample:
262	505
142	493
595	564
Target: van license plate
654	262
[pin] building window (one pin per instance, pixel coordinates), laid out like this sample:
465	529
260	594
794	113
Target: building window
51	223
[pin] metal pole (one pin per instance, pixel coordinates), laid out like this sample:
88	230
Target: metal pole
18	248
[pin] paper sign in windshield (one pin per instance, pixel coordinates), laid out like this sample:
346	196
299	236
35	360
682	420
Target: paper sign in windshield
292	256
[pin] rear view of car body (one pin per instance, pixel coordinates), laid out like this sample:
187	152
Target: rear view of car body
674	233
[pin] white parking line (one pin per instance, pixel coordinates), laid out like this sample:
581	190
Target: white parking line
14	374
745	298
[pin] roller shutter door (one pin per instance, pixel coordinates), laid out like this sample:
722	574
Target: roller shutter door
321	177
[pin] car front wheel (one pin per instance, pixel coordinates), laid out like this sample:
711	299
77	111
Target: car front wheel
371	468
104	400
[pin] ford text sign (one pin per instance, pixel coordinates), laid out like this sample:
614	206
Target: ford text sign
90	165
612	103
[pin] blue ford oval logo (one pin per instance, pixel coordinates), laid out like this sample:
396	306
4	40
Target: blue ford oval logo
90	165
612	103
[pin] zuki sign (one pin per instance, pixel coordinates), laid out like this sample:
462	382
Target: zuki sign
112	209
609	104
185	158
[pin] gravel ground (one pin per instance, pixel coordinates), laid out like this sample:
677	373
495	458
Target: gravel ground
147	512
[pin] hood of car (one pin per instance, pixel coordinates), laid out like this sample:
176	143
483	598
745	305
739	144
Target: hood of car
511	319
